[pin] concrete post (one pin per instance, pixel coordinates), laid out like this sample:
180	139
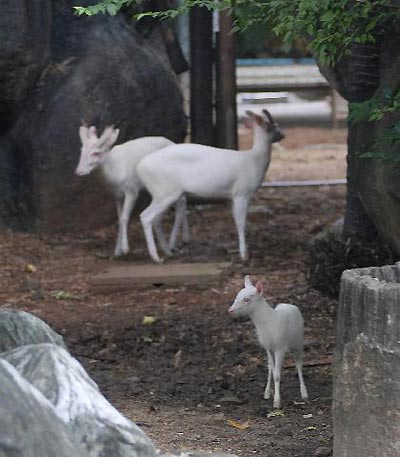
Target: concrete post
366	393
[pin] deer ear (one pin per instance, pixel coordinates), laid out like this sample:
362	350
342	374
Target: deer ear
260	288
258	119
247	281
247	123
92	131
109	137
115	135
267	114
83	133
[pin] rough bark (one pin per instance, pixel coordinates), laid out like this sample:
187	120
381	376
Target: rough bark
67	69
373	204
366	396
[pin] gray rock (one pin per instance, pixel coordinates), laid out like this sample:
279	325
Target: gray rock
29	425
24	52
366	394
323	451
18	328
56	69
199	454
92	420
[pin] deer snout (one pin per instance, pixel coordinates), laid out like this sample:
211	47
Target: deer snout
79	172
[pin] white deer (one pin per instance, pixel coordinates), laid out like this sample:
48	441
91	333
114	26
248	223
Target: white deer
280	330
207	172
118	166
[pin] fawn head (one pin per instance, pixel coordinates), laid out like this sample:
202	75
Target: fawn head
247	297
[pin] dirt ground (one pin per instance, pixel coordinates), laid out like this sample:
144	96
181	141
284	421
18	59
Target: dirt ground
194	378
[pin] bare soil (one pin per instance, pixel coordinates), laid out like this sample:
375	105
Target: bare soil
194	378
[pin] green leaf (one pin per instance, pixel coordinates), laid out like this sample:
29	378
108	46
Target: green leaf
62	295
112	9
276	413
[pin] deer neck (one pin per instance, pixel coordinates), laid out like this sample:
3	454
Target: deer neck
107	166
262	316
261	148
260	154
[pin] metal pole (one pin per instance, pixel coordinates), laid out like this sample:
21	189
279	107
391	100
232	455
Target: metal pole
201	76
226	110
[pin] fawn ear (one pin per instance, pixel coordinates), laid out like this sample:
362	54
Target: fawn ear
247	281
260	288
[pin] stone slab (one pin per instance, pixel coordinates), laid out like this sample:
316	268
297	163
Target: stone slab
123	277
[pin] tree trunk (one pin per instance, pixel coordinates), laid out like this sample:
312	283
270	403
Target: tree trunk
373	199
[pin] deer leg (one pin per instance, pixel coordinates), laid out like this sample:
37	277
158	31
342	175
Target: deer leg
277	378
129	202
240	206
180	221
161	236
267	391
298	360
117	250
148	216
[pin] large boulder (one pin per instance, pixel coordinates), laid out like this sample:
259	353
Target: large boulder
18	328
29	425
50	406
91	421
95	424
67	69
24	53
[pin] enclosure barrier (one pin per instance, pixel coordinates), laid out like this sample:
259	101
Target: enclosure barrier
366	392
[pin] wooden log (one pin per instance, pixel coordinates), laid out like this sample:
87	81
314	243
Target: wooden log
366	392
128	276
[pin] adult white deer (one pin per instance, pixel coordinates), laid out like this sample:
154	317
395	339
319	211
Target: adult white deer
208	172
118	166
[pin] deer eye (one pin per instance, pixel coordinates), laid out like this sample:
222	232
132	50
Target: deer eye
95	154
246	300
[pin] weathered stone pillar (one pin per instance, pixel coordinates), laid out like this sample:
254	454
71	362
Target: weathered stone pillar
366	393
